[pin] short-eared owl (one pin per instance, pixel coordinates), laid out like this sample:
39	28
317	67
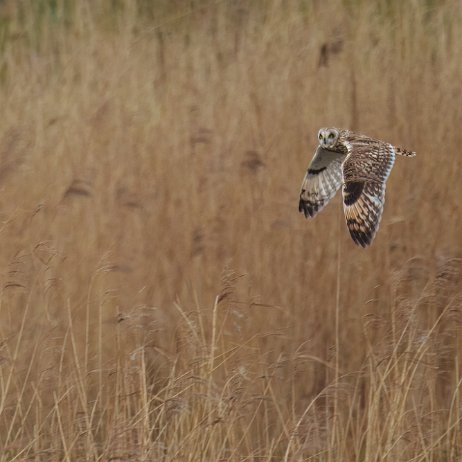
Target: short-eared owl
362	165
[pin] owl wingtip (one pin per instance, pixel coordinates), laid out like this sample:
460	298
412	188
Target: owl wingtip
302	208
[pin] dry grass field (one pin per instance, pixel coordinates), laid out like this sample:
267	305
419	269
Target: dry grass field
161	297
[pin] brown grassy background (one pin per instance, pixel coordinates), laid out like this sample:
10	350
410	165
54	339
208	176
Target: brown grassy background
162	298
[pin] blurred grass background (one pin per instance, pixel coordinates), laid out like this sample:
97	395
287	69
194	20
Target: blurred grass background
162	298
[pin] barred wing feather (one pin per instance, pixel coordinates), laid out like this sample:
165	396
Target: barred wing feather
322	180
365	172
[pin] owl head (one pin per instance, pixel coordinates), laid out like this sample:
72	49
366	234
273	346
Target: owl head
328	137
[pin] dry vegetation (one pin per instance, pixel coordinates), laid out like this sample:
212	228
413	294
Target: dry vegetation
161	296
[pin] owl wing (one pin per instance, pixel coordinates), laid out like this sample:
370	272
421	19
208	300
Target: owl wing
322	180
365	172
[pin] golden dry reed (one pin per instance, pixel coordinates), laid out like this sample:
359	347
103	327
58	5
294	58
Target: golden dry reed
161	297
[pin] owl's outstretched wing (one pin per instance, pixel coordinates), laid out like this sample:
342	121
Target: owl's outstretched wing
322	180
365	172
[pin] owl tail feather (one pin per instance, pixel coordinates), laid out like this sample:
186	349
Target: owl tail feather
404	152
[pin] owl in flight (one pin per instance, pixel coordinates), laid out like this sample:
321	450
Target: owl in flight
359	163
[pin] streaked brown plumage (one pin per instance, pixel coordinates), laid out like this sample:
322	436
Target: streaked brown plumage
362	165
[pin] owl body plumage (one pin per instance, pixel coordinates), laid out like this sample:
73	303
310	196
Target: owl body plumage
359	163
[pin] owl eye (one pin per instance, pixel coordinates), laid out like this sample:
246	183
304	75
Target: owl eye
331	136
320	136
